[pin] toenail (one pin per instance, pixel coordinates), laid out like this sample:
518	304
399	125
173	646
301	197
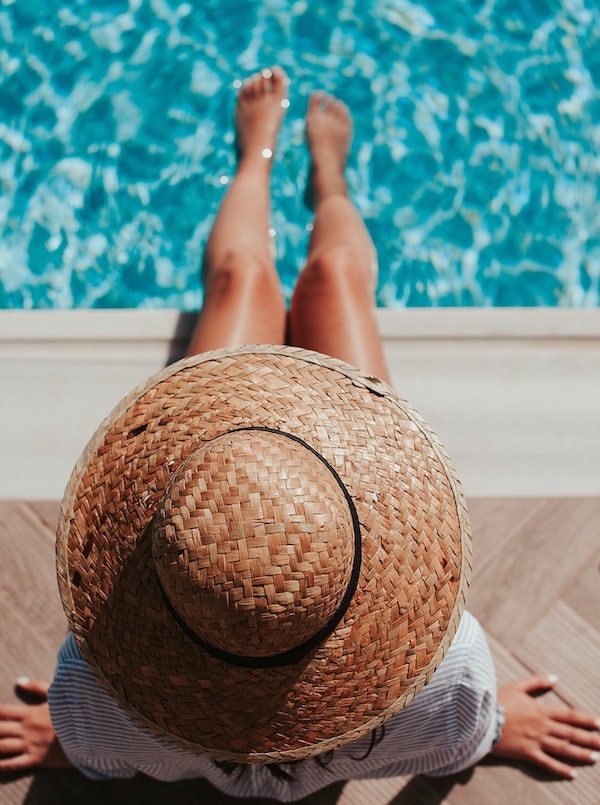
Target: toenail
267	153
237	84
286	81
267	73
285	103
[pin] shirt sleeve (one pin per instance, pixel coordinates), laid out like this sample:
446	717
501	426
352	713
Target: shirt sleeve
451	723
76	700
478	717
102	740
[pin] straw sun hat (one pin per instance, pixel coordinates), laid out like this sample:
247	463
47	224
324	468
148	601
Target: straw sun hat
263	554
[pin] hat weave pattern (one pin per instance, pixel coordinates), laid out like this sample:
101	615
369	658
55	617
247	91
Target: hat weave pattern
213	516
256	547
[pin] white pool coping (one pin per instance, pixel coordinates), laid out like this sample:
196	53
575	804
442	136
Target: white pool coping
514	394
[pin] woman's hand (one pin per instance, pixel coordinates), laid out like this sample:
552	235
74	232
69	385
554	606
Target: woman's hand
555	738
27	738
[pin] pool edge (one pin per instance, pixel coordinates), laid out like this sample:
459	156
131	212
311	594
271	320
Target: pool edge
512	392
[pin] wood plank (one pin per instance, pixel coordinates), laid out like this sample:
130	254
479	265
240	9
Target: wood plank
543	557
33	624
73	788
47	511
560	535
494	522
565	644
491	783
584	594
32	634
396	790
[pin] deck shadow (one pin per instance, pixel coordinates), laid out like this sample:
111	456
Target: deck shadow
73	788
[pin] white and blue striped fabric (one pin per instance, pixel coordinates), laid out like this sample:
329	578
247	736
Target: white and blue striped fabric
449	725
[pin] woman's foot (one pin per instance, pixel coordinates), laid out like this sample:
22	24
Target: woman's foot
557	739
329	134
261	106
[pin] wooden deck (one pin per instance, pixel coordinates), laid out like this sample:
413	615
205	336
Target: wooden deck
536	590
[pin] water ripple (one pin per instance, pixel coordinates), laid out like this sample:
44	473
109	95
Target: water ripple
475	159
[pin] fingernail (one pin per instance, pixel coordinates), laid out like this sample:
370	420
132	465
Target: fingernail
23	680
552	679
594	757
573	774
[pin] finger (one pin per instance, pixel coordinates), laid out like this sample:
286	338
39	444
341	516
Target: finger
10	747
554	765
16	764
575	717
10	712
9	729
575	735
36	686
32	691
537	683
569	751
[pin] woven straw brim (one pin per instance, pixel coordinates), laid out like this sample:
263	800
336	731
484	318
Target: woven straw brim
416	556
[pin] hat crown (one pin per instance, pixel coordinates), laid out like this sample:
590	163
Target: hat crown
253	543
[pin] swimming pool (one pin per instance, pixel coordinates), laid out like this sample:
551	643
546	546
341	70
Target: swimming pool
475	158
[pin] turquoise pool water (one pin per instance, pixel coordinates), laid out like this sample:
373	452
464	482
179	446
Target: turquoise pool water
475	160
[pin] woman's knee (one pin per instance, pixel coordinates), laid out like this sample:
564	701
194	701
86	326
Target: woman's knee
334	271
241	277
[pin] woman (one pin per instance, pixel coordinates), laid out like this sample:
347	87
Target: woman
331	312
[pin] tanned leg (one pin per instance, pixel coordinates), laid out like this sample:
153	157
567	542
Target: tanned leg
332	312
333	307
243	301
243	304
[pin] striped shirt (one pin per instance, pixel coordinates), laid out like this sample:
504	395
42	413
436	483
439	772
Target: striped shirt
448	726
